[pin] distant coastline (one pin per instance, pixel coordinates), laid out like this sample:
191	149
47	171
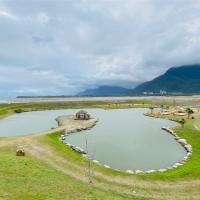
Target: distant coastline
43	99
93	96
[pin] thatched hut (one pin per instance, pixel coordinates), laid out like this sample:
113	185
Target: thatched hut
83	115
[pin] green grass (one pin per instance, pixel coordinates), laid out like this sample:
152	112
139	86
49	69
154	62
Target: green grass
9	109
188	132
53	140
189	170
27	178
24	178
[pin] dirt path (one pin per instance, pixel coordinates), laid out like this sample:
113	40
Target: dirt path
119	184
197	127
130	185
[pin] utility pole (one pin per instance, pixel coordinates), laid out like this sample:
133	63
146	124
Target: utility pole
89	171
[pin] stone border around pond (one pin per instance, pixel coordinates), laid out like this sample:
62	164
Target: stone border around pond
75	130
181	141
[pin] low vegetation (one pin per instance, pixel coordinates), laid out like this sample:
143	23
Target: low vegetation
50	170
6	109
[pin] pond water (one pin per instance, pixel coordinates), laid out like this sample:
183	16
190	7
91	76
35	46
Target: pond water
124	139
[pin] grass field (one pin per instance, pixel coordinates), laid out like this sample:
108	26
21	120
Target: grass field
50	170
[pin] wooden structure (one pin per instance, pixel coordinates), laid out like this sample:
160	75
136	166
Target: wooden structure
83	115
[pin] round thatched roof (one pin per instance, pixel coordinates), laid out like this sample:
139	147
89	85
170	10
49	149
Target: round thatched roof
82	112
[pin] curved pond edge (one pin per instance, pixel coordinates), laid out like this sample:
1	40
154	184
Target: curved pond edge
81	151
68	131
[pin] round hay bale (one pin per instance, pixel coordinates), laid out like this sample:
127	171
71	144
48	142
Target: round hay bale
20	152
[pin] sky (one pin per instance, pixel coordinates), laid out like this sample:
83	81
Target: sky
61	47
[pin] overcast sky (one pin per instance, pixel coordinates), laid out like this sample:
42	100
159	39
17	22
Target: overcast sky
54	47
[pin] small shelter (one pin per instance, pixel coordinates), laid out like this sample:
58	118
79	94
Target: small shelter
83	115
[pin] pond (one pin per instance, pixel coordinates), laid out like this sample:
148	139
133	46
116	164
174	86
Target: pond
124	139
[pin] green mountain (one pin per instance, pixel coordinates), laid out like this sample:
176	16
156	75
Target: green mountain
178	80
105	91
183	79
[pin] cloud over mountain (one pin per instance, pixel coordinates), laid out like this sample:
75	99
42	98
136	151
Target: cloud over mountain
62	47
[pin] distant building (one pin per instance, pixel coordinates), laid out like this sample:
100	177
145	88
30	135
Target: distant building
83	115
163	92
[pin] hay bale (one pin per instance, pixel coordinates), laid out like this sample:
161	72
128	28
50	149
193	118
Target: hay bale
20	152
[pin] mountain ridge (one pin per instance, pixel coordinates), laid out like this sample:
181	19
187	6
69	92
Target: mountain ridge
176	80
183	79
105	90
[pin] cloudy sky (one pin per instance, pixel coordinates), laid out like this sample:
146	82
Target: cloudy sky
54	47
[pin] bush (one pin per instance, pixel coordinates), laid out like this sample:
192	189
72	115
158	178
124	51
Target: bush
19	110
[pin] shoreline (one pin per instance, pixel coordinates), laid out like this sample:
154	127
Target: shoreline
63	120
180	183
70	125
92	98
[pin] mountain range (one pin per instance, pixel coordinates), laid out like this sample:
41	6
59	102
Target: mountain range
176	80
105	91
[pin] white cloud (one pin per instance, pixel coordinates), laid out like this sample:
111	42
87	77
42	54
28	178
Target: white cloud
33	81
6	14
120	66
43	18
64	46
